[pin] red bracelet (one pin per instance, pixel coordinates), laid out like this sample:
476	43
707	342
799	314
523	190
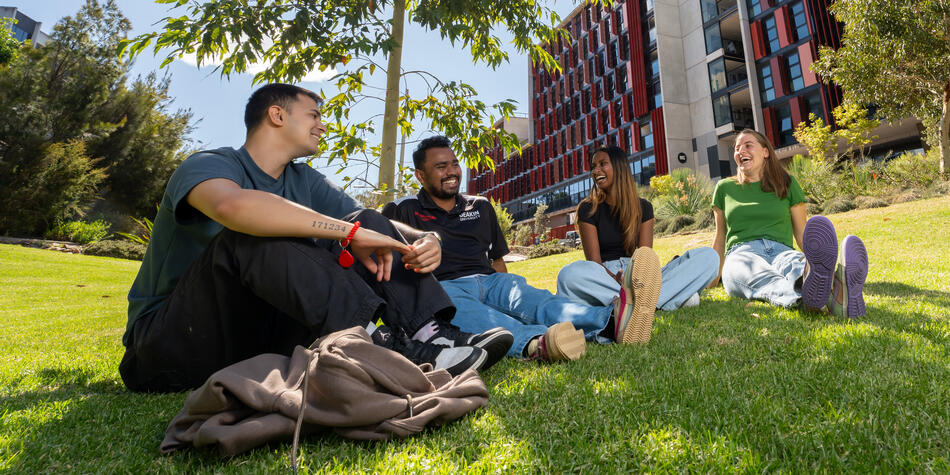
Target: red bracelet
346	259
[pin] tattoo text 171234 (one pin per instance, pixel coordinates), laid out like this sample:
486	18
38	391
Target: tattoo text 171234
328	226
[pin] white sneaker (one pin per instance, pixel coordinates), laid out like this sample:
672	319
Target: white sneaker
692	301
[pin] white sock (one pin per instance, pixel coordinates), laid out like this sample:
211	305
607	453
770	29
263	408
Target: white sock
425	333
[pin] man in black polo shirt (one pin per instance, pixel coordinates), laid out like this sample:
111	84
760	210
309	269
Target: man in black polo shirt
474	274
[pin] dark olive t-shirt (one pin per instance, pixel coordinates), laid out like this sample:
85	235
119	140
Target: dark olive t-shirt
609	230
181	232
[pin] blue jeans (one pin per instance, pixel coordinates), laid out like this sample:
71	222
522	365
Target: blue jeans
587	281
763	270
506	300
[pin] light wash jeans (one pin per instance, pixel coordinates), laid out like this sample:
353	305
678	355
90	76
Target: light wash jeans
763	270
587	281
506	300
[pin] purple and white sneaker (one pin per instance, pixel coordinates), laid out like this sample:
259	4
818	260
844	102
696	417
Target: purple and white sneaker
847	298
820	245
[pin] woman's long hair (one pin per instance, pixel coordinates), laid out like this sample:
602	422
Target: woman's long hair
622	193
774	177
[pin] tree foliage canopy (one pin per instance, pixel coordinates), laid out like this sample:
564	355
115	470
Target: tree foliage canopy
73	130
295	37
895	55
8	44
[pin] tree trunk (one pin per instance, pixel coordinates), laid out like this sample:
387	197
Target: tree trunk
387	156
945	132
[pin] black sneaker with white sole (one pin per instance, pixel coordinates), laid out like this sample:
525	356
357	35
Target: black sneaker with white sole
495	341
453	360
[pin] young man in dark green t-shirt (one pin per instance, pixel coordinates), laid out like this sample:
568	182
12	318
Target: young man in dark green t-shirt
244	259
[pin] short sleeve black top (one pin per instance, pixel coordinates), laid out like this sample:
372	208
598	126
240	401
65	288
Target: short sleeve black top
609	231
471	237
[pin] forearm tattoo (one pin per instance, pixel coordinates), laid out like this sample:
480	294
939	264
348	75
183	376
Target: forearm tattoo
328	226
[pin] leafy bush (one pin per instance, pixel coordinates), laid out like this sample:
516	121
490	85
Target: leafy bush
79	231
839	204
704	219
680	223
504	219
521	235
145	232
547	248
864	202
913	170
116	248
816	177
687	195
905	196
812	209
58	185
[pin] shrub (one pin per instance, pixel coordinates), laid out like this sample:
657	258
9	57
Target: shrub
116	248
864	202
839	204
661	226
79	231
913	170
547	248
905	196
812	209
816	177
521	235
688	195
704	219
680	223
145	231
942	188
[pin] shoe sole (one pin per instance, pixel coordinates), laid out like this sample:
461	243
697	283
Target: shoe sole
475	361
820	244
496	344
564	342
641	292
852	270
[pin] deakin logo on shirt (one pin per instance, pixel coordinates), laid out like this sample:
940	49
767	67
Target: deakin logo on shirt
423	217
469	215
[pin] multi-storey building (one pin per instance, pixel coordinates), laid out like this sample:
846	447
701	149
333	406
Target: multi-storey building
25	27
671	82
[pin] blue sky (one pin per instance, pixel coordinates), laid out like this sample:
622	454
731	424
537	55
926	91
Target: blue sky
218	103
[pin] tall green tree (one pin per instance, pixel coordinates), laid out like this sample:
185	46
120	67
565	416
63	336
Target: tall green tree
72	129
895	54
295	37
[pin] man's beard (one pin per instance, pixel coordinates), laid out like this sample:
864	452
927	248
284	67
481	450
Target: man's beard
443	195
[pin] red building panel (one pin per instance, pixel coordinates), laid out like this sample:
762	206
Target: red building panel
805	54
769	116
758	43
795	106
636	69
783	27
779	76
659	141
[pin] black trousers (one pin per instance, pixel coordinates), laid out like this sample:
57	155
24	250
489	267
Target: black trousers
245	295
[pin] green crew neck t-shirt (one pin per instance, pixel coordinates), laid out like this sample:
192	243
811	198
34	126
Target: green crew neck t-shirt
752	213
181	232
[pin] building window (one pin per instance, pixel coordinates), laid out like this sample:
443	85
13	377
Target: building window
783	116
800	21
771	34
619	20
717	75
813	106
648	5
657	94
795	72
646	135
710	11
713	38
755	8
722	112
768	88
651	30
654	65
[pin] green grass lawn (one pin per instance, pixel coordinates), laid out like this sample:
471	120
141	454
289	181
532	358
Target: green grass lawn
726	386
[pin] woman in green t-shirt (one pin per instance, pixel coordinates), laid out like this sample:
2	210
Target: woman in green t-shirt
759	212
